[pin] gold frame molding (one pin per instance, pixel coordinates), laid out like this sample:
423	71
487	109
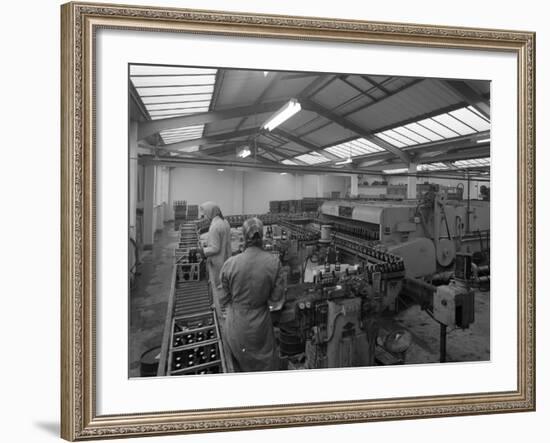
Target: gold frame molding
79	22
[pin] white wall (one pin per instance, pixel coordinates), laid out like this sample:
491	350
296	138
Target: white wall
30	384
247	192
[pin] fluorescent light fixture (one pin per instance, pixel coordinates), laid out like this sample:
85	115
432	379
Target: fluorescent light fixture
282	115
243	152
283	173
395	171
266	73
220	169
483	140
344	162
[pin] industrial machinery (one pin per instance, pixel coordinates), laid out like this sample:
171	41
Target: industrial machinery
426	233
333	321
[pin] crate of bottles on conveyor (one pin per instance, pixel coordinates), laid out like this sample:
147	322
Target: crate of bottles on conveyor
195	346
189	264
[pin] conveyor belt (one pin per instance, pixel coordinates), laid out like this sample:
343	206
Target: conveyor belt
192	340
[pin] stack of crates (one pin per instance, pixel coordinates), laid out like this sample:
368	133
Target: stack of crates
311	204
192	212
180	212
274	206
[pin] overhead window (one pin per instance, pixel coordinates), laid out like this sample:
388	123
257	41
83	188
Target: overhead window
168	92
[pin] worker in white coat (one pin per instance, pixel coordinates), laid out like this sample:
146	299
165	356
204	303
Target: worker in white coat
217	250
251	282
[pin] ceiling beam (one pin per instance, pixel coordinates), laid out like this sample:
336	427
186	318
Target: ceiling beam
305	144
212	139
471	96
149	128
344	123
280	154
416	151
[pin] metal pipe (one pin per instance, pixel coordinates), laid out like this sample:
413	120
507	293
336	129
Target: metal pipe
468	204
310	169
442	343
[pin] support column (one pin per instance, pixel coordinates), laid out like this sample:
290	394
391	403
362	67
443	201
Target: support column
298	186
354	186
149	207
237	206
170	203
320	186
133	180
411	182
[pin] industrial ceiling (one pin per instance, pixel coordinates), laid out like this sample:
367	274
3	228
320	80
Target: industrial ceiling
367	122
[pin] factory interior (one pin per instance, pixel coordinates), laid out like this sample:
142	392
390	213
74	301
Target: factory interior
373	192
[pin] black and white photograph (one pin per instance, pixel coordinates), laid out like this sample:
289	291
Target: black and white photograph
290	221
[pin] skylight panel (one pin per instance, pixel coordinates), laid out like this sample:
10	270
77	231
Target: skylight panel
438	166
164	91
395	171
438	128
312	158
289	162
471	119
183	111
177	99
424	131
395	135
390	140
187	80
454	124
354	148
168	70
184	105
473	163
411	135
479	114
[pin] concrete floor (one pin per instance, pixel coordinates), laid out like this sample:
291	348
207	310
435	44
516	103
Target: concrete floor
149	298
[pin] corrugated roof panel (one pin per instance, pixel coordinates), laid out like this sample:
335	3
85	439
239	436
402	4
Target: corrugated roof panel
240	88
360	82
336	94
329	135
299	119
221	126
419	99
287	88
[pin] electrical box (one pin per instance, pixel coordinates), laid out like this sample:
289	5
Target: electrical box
454	305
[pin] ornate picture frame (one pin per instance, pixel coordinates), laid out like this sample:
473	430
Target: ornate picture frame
80	22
